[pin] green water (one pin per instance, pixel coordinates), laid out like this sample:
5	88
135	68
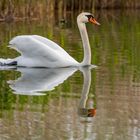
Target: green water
61	112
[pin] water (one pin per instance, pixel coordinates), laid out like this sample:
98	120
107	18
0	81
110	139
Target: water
97	104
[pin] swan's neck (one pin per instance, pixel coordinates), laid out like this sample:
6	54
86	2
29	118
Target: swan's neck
86	45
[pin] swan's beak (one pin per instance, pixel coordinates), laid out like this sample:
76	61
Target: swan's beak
93	20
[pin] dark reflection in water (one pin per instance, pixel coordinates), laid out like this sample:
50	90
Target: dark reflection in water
64	113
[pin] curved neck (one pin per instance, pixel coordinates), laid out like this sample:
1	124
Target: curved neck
86	45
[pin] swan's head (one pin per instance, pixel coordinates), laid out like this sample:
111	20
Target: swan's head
85	17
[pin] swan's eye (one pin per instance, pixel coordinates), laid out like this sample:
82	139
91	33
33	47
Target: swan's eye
89	17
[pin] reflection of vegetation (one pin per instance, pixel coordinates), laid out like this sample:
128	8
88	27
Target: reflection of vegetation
117	48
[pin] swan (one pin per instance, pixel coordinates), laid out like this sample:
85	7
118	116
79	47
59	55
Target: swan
38	51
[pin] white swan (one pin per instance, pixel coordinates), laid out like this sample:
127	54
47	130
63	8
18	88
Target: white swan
37	51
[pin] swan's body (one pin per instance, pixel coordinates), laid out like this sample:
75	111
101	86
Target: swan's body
37	51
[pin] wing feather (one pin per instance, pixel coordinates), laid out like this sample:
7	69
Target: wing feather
39	51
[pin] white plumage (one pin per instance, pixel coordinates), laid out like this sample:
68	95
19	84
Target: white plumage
37	51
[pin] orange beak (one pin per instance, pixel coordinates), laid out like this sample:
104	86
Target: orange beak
93	20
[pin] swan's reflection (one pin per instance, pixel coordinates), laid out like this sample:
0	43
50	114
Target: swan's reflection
34	81
84	111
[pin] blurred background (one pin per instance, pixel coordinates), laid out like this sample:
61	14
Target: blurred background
20	9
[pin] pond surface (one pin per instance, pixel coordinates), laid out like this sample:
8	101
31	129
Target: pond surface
69	104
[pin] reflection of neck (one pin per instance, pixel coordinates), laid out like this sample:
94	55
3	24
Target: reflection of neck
86	45
86	87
